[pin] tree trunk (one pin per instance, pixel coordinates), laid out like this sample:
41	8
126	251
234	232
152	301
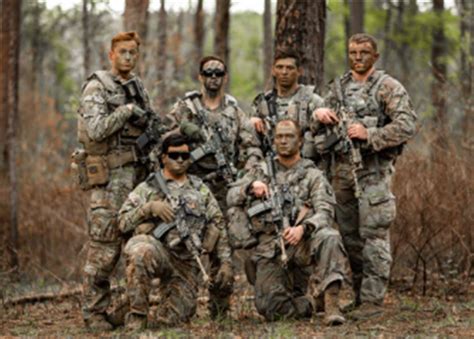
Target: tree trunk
11	17
267	43
221	29
300	26
356	10
177	45
438	88
388	42
161	56
85	37
198	38
135	18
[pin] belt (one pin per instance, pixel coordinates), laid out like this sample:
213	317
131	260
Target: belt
119	158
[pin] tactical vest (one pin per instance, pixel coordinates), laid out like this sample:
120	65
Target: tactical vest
125	138
230	124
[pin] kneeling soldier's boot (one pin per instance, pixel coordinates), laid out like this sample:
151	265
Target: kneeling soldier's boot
366	311
98	322
117	314
135	322
333	315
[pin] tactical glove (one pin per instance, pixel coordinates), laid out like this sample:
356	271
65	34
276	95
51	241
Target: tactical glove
225	276
159	209
139	116
192	131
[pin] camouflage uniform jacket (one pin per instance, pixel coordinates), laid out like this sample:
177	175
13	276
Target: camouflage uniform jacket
228	120
103	124
303	185
205	221
383	106
298	107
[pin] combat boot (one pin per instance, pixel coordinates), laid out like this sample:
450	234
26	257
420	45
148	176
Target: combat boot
116	316
135	322
332	315
366	311
98	322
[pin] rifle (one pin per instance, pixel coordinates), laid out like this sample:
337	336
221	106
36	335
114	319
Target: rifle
191	240
355	157
154	126
214	145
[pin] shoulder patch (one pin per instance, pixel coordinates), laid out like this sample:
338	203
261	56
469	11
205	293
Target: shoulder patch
231	100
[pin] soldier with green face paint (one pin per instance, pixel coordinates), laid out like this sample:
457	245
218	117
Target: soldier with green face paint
377	118
299	257
112	117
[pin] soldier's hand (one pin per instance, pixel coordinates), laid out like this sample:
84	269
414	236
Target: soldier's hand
293	235
139	116
192	131
259	189
357	131
325	116
161	209
225	276
258	124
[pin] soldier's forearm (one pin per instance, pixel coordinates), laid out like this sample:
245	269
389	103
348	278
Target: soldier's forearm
101	127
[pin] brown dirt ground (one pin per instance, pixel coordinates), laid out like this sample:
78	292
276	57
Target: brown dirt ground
405	315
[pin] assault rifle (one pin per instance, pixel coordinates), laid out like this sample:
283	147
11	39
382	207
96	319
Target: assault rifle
191	240
154	126
214	145
355	157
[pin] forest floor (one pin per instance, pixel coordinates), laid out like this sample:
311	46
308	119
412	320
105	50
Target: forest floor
405	315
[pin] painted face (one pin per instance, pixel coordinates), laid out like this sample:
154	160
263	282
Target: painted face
213	76
124	56
177	160
287	141
362	57
285	72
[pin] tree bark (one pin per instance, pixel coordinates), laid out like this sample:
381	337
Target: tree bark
300	26
176	48
85	37
356	16
11	23
135	18
198	38
438	88
267	42
161	57
221	29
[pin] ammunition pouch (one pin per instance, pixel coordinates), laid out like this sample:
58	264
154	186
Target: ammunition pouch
210	239
240	230
97	170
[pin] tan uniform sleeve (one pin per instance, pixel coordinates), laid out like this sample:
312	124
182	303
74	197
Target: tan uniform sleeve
100	124
131	214
403	119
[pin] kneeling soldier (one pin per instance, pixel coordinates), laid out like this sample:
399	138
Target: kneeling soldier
174	218
299	256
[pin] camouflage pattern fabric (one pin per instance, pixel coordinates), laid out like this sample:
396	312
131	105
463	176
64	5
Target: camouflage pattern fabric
317	261
149	258
298	107
103	120
364	223
239	141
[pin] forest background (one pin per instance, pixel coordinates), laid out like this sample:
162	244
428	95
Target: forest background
47	52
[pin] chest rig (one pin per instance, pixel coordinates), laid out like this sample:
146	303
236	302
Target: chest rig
117	94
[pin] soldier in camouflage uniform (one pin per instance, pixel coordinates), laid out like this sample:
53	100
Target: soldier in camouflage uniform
288	99
317	262
111	118
166	243
381	120
219	131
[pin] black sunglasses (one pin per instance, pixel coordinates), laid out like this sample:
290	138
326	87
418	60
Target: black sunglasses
210	72
177	155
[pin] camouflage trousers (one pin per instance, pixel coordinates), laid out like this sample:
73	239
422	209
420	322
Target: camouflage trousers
289	292
364	225
147	259
105	240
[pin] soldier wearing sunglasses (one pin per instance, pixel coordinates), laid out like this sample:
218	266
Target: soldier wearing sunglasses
220	136
158	248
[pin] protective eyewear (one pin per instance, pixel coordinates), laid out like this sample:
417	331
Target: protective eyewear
210	72
177	155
